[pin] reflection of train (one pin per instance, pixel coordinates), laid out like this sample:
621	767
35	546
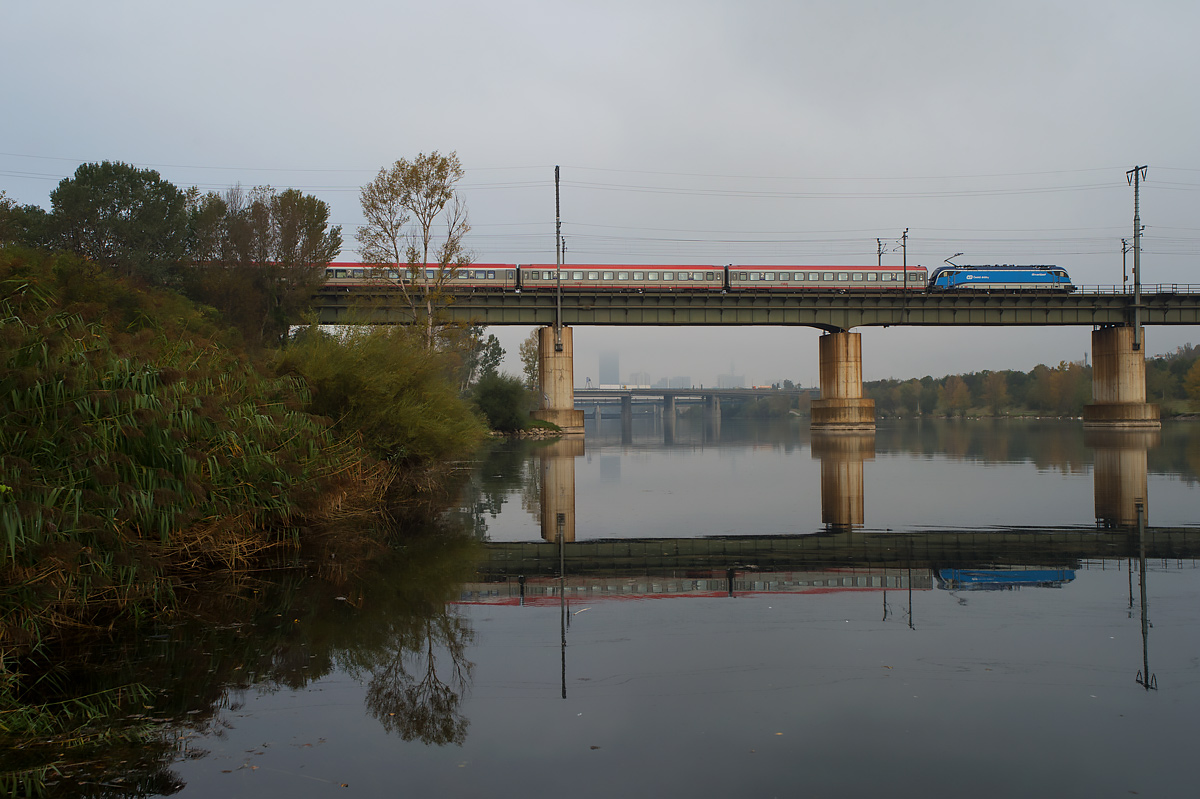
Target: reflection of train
642	278
1002	579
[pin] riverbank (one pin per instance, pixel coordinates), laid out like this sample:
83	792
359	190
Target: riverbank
143	449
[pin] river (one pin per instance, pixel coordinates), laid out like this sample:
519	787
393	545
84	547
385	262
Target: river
735	607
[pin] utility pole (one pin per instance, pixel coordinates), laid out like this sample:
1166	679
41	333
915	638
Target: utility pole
879	251
1134	177
558	259
904	255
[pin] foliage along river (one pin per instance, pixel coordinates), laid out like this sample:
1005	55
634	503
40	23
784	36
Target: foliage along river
737	609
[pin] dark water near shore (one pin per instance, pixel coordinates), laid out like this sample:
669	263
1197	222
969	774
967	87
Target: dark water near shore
735	609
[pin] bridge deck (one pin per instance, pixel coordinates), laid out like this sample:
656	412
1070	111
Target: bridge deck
828	310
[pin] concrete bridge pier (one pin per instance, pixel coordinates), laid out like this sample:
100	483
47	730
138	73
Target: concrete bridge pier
558	382
668	419
842	407
1119	477
712	405
1119	382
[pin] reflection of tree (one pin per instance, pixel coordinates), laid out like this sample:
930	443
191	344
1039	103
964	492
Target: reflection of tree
409	695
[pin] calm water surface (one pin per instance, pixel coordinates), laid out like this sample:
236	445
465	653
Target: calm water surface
740	609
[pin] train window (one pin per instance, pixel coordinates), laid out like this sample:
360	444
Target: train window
799	276
639	275
913	276
843	275
608	275
743	276
464	274
709	276
886	276
429	275
622	275
785	275
575	275
652	275
755	275
393	274
827	275
813	276
858	276
593	276
668	275
491	275
872	276
510	274
769	276
699	276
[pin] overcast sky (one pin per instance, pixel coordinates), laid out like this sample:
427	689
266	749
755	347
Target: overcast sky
688	132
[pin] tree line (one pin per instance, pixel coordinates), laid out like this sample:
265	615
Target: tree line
1172	381
255	255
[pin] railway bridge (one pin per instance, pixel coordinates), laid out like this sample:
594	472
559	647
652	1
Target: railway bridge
1117	317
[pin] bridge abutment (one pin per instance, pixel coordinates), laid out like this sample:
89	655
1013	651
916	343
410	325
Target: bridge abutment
558	382
1119	382
842	407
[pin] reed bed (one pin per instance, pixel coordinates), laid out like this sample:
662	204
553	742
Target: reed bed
136	447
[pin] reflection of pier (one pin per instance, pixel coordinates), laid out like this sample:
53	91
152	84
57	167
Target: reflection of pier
1120	477
842	456
557	514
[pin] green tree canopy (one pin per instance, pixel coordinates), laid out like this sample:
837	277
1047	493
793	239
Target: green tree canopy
123	217
259	256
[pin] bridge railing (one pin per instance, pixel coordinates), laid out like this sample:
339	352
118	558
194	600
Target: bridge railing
1147	288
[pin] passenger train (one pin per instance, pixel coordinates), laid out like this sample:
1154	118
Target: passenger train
700	277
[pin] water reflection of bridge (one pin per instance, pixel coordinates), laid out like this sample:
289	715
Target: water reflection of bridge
1120	480
848	549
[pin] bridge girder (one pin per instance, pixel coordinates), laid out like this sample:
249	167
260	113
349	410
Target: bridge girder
824	310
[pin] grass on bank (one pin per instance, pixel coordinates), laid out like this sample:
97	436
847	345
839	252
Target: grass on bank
139	444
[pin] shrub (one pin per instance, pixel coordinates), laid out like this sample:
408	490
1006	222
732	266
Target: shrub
504	401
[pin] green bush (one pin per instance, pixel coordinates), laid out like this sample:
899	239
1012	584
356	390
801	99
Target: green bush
504	402
134	445
381	383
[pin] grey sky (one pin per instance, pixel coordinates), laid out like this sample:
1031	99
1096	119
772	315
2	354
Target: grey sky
688	132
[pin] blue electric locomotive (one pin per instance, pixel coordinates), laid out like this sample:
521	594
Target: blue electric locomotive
1000	277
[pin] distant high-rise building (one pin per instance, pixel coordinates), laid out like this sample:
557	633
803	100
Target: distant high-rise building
681	382
731	381
639	378
610	368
